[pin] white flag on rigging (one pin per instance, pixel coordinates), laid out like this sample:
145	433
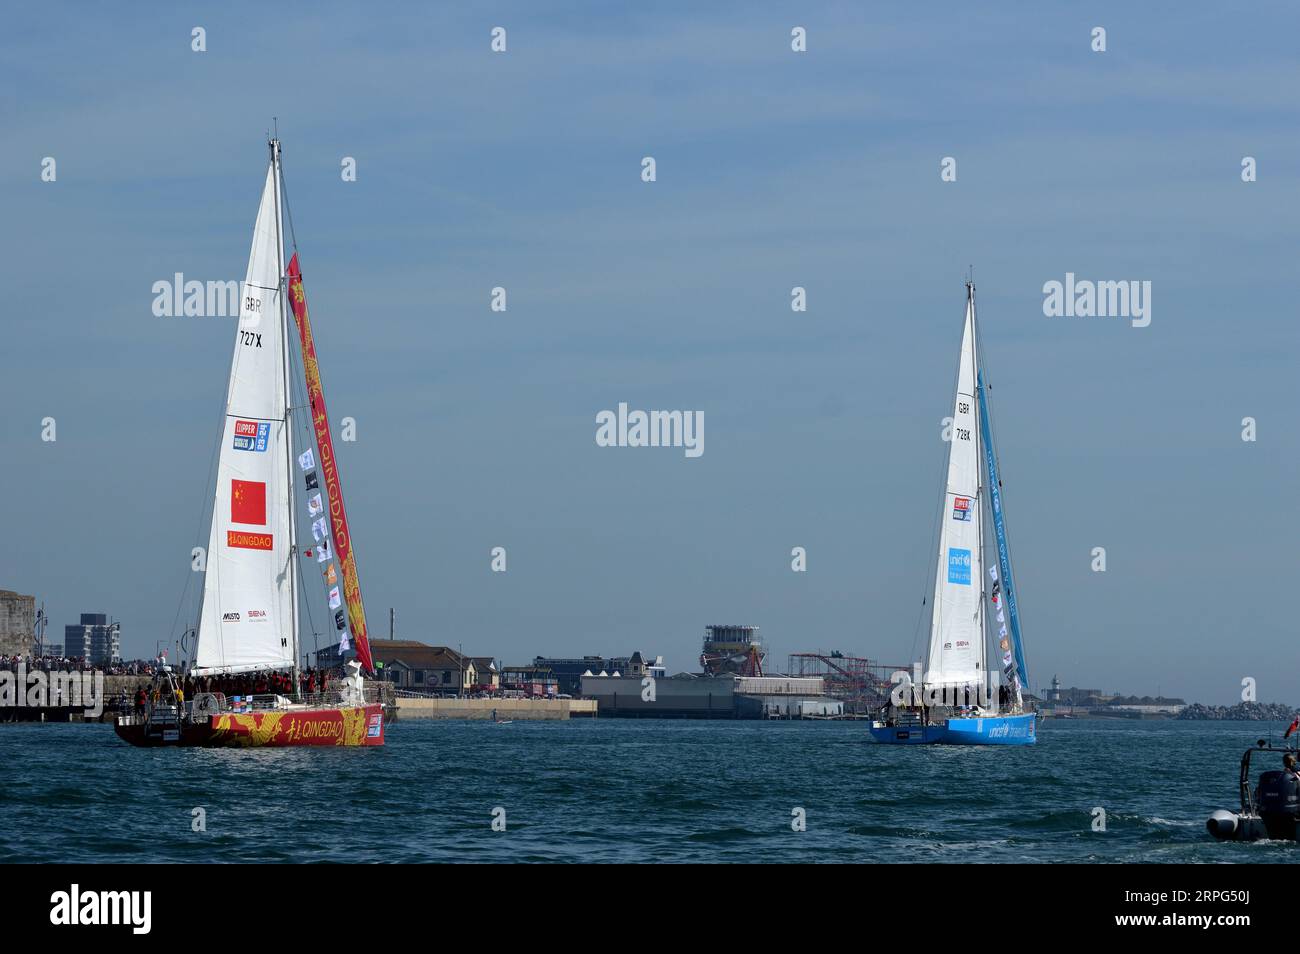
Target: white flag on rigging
307	460
336	598
320	530
344	644
315	505
323	551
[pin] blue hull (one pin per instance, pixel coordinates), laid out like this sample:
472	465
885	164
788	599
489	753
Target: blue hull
996	730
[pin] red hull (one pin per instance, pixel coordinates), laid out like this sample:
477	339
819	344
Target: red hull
343	725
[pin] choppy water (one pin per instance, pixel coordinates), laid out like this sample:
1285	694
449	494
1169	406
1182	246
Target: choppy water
620	790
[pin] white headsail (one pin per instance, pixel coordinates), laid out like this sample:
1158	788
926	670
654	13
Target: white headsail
956	655
248	613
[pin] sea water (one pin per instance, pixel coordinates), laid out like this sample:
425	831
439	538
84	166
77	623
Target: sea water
635	791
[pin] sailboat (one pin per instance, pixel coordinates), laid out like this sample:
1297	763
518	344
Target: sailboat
249	617
960	699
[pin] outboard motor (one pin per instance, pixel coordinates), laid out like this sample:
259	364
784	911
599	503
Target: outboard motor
1279	803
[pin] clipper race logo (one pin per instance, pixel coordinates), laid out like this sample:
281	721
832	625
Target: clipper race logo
251	436
961	508
248	505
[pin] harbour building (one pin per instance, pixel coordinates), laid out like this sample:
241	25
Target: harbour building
529	681
644	690
17	623
95	639
568	670
732	649
411	664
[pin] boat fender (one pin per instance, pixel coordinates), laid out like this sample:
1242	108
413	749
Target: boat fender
1222	824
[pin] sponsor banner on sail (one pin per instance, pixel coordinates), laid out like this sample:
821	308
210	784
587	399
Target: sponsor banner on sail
328	468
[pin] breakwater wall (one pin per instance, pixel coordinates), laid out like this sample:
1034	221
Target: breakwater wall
514	709
19	705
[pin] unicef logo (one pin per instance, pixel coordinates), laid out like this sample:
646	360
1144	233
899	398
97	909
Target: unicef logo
959	562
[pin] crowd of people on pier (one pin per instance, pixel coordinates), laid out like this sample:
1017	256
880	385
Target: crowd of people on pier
49	663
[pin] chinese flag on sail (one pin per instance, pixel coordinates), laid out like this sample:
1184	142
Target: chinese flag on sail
248	502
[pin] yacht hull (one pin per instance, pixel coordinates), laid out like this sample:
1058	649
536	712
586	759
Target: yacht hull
333	725
989	730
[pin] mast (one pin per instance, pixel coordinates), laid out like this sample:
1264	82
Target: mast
288	415
982	665
979	499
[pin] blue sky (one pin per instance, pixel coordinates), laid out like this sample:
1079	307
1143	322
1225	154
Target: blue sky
775	169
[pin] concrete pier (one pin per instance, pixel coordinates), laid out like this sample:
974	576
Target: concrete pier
513	709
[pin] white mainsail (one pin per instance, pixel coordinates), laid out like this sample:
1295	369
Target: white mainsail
956	655
249	611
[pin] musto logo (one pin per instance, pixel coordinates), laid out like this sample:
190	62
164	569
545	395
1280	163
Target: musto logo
230	618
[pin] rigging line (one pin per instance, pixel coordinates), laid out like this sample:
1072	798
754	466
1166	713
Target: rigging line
203	511
293	238
288	212
300	389
988	404
927	583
